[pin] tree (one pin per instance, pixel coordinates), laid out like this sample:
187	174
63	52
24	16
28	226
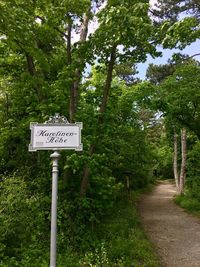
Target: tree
160	75
157	73
180	22
179	102
181	95
120	25
172	9
45	48
180	179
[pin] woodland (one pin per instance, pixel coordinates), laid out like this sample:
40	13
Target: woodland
79	59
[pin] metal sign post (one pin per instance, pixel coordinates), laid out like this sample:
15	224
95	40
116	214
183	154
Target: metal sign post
55	156
55	134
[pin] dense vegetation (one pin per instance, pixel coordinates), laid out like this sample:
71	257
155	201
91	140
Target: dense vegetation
51	64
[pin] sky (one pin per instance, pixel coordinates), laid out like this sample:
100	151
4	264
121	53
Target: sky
167	53
190	50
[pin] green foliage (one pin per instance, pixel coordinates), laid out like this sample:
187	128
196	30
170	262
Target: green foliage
126	24
41	64
157	73
78	217
164	162
173	10
178	22
22	216
181	33
189	203
179	96
117	250
107	250
193	180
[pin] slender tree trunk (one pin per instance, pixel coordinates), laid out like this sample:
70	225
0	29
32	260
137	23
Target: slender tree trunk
127	184
78	71
84	28
85	180
7	106
69	36
86	171
33	72
74	94
31	65
108	80
176	177
183	162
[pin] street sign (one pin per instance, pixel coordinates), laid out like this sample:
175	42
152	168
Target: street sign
55	136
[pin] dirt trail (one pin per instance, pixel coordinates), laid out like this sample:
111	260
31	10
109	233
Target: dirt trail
174	233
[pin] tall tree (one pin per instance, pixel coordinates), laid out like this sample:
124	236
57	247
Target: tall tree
180	101
180	22
162	79
172	9
120	26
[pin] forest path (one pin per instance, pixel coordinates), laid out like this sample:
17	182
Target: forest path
174	233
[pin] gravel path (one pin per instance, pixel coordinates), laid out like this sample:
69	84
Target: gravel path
174	233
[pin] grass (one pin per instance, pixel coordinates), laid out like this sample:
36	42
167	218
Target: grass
188	203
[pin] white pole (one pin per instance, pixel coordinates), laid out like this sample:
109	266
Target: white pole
55	156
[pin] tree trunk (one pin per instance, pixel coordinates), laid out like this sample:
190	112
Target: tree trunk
74	94
33	73
78	71
86	171
176	160
108	79
84	28
183	162
69	36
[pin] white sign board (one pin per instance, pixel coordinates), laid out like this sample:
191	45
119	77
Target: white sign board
55	136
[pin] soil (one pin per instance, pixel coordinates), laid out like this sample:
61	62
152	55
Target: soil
174	233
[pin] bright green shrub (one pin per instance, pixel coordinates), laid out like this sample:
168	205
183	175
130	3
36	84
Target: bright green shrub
24	221
193	172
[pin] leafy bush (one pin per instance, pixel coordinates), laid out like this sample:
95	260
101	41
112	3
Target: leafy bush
190	204
193	172
24	221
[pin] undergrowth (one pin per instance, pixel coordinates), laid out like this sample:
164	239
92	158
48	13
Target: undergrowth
190	204
121	242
